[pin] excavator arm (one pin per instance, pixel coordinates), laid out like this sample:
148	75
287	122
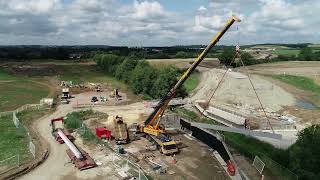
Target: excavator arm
151	125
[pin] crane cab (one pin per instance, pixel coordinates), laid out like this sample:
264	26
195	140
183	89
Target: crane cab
165	145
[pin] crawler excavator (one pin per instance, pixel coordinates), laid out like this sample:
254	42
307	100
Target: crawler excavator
152	127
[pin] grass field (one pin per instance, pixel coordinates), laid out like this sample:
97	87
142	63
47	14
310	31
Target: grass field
288	52
303	83
5	76
13	140
192	116
18	90
26	117
17	93
192	82
300	82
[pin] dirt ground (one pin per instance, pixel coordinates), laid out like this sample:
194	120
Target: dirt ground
309	69
236	89
184	63
189	160
236	92
194	161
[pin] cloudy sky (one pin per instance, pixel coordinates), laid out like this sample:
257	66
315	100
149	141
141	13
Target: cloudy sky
156	22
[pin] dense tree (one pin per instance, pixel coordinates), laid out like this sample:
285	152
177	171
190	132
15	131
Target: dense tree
305	153
247	59
142	78
306	54
166	79
226	56
108	62
124	70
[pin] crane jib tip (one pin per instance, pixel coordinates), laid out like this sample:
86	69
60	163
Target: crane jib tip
236	18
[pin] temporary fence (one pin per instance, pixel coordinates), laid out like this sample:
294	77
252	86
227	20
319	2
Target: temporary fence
278	170
29	106
258	164
15	120
272	166
127	166
32	147
14	161
22	108
5	113
120	162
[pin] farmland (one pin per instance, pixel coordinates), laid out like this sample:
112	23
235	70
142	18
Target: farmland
287	51
17	91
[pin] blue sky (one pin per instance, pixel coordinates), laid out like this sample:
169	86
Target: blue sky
156	22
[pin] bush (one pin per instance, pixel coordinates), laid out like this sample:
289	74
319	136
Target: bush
181	54
226	56
305	153
306	54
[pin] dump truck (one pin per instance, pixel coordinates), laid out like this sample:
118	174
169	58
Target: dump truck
66	93
55	127
64	99
98	89
120	131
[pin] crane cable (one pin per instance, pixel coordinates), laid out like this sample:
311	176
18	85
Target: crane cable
255	91
253	87
219	84
238	54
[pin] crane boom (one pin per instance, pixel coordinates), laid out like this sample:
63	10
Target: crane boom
151	125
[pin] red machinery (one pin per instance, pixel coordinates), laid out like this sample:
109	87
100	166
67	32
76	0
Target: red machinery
231	169
55	133
78	156
85	163
103	132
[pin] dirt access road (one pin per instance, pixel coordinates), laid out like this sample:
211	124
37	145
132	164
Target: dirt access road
57	165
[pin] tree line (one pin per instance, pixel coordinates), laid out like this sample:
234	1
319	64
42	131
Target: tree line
227	56
30	52
141	78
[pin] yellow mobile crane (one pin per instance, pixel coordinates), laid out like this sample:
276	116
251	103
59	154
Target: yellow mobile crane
152	126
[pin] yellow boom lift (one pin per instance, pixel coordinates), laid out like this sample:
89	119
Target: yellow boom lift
151	127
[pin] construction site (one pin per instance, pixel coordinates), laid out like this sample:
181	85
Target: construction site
97	121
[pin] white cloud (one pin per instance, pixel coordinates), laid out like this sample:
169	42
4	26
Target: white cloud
146	9
149	22
31	6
